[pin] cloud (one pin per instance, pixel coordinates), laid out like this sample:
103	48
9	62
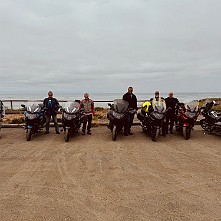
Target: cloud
107	45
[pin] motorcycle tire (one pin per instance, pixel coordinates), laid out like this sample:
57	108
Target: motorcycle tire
203	123
28	134
144	129
186	132
114	133
155	133
66	135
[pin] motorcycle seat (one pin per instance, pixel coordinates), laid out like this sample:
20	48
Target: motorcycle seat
215	116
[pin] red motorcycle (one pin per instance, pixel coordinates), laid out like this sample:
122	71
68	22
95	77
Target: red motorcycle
186	117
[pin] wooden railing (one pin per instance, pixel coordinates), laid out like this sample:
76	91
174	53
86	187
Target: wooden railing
11	106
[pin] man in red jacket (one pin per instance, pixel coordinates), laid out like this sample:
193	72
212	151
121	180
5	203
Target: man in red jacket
88	105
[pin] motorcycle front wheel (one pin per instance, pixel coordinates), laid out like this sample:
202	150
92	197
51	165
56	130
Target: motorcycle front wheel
203	123
154	133
186	132
114	133
28	134
66	135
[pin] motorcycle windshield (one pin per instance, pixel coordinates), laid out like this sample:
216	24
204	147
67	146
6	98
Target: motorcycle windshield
120	105
159	106
34	108
72	107
192	107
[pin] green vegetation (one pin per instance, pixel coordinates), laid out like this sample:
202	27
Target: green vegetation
16	120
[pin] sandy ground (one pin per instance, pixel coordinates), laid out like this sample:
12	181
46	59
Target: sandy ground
94	178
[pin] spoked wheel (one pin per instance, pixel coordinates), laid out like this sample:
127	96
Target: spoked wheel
66	135
28	134
154	133
114	133
186	132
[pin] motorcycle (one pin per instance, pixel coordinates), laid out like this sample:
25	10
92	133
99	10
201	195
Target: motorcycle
186	117
71	119
118	116
155	120
35	119
212	119
2	114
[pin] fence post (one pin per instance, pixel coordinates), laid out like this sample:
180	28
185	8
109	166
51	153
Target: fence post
11	105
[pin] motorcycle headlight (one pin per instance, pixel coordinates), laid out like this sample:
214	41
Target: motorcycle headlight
31	116
158	115
117	115
69	116
190	114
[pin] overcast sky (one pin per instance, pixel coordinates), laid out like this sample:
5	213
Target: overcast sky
108	45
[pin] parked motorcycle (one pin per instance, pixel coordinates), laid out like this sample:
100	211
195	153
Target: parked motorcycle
186	117
2	114
71	119
35	119
155	120
212	119
118	116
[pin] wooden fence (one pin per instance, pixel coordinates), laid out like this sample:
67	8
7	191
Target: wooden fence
11	102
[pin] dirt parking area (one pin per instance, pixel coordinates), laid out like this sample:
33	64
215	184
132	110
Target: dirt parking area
94	178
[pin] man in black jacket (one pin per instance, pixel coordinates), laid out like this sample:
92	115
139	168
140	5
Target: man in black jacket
171	102
132	100
51	104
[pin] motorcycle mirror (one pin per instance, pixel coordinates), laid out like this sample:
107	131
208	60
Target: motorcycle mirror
23	105
77	101
109	104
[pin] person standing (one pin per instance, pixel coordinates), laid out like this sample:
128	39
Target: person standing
88	105
2	114
132	100
51	104
171	103
155	101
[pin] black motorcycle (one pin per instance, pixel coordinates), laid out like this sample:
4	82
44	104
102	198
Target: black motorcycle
212	119
153	122
71	119
118	116
35	119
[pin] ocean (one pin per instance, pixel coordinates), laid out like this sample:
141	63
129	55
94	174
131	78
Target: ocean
97	97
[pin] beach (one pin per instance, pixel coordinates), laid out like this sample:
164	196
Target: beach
94	178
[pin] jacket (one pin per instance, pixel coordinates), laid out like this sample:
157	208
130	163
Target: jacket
51	106
171	102
131	99
88	106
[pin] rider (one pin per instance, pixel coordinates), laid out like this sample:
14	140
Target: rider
171	102
51	104
132	100
157	99
88	105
